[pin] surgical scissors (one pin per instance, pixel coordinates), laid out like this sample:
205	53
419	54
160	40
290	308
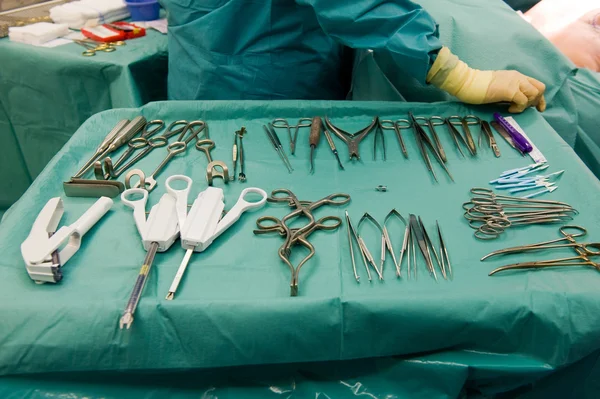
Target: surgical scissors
284	124
397	127
352	140
584	251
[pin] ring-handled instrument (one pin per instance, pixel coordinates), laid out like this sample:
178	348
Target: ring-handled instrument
424	142
121	134
47	248
397	127
352	140
388	241
367	217
203	223
431	123
491	214
313	140
158	232
298	235
268	224
487	131
284	124
175	148
569	233
105	169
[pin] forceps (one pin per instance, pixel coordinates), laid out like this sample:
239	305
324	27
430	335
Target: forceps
283	124
352	140
422	140
584	251
485	129
464	122
431	123
397	127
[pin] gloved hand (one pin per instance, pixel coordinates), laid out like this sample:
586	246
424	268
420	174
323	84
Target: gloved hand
473	86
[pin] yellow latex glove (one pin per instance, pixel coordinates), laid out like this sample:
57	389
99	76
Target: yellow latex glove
473	86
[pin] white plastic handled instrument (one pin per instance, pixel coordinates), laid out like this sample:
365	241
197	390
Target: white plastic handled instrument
39	249
203	224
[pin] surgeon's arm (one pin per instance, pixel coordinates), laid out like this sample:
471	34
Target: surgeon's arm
410	35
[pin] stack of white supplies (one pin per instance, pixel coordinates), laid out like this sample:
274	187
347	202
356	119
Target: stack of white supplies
88	13
37	34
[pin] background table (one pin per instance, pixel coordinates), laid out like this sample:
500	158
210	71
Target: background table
47	93
530	331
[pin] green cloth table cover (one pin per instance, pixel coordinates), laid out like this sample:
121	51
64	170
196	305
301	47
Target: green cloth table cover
47	93
233	308
489	35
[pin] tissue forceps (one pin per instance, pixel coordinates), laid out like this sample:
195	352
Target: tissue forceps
464	123
284	124
431	123
422	140
397	127
485	129
352	140
584	251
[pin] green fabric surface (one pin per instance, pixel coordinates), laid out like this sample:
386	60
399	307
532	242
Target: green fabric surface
47	93
509	42
493	335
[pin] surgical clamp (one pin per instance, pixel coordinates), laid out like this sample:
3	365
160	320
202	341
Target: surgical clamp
283	123
211	170
583	251
352	140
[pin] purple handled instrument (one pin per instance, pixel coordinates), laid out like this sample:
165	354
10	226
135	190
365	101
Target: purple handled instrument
520	141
